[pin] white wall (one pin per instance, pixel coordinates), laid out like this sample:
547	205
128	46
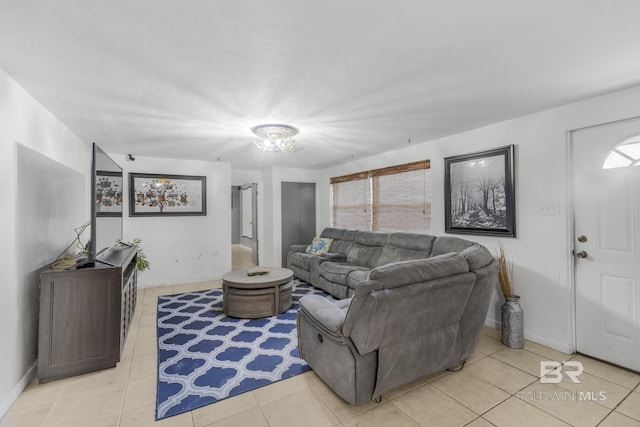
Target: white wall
26	122
245	176
542	250
182	249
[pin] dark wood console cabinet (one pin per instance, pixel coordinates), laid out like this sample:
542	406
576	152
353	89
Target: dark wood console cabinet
85	314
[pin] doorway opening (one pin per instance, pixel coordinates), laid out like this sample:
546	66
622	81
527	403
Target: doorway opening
244	226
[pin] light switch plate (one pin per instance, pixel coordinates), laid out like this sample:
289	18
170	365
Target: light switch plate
549	208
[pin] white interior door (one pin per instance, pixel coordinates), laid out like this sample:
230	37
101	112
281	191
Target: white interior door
249	203
606	242
247	225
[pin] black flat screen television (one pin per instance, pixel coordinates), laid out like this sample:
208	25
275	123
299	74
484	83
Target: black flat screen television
106	204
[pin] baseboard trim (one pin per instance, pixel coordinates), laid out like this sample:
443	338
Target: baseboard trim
560	346
6	403
492	323
563	347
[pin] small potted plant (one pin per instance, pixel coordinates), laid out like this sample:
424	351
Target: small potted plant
143	262
512	312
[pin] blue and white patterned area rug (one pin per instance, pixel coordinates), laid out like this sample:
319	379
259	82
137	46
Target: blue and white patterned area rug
205	356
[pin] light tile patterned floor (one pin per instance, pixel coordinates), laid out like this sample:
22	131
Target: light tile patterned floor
498	386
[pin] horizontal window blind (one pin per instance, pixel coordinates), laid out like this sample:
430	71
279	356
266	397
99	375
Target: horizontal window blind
351	204
401	202
396	198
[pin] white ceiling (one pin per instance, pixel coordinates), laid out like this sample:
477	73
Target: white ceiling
188	79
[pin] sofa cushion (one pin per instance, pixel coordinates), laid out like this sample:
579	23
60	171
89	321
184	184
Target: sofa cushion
334	233
356	277
301	260
342	239
326	314
338	272
416	271
476	255
406	246
367	248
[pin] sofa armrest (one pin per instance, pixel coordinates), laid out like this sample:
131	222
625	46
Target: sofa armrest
323	313
333	256
366	318
319	259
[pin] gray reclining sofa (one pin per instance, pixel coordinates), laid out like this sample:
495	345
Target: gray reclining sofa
417	306
355	254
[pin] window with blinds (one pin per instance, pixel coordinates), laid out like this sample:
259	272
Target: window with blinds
396	198
351	201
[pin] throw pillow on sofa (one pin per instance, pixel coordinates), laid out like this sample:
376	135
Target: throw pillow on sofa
319	245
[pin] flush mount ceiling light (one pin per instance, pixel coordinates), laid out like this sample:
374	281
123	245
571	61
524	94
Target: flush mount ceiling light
275	138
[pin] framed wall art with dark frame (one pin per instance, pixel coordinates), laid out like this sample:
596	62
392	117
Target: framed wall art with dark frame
479	191
108	193
167	195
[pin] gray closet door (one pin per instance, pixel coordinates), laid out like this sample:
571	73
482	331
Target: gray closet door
298	215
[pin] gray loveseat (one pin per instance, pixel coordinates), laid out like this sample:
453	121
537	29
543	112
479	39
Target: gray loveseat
406	318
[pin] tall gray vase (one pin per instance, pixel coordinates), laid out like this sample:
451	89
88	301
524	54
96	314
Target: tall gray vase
513	323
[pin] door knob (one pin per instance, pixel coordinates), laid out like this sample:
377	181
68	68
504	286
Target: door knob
582	254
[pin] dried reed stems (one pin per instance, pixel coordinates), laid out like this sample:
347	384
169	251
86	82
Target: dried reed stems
505	273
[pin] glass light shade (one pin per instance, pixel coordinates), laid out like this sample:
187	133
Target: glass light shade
274	137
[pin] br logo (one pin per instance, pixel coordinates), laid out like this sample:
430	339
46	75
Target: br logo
551	371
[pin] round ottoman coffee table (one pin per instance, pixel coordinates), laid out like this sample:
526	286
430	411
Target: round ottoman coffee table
250	297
